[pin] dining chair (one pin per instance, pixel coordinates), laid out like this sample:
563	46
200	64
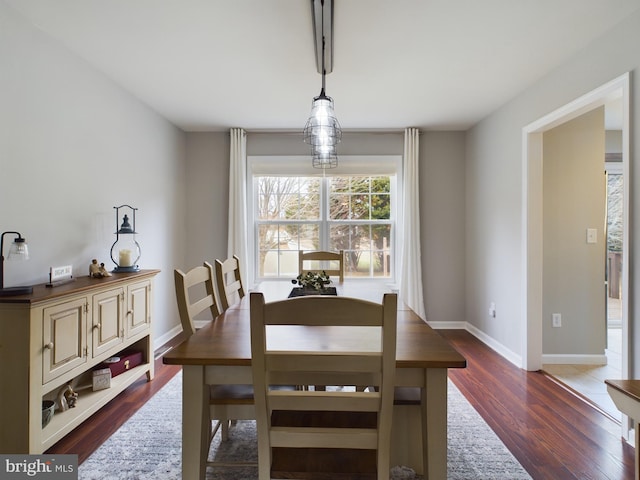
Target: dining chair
305	420
332	263
229	281
197	300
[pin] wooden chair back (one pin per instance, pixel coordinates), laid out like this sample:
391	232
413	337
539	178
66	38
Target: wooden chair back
351	364
229	281
195	294
317	261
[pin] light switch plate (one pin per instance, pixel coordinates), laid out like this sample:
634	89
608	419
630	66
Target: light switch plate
592	235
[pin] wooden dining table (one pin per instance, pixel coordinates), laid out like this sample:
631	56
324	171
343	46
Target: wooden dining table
220	353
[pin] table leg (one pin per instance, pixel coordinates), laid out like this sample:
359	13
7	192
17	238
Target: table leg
434	424
195	422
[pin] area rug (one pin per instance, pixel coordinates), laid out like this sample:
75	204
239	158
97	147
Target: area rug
148	446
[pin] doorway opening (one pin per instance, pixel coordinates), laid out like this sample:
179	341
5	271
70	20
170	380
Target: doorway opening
532	280
587	379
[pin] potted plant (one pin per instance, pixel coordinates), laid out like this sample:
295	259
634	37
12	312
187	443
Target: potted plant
312	280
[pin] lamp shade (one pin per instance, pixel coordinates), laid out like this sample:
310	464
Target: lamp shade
18	250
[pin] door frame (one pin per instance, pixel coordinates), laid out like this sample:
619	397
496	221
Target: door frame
532	217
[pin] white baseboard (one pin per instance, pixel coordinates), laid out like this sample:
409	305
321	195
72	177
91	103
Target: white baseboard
448	325
483	337
160	341
495	345
564	359
571	359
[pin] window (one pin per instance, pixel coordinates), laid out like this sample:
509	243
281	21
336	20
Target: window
305	211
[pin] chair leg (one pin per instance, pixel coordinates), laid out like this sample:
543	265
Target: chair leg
212	431
225	429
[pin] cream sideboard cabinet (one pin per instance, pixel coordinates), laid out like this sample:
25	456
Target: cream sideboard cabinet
56	337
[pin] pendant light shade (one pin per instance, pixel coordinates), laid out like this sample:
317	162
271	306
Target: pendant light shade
322	128
324	156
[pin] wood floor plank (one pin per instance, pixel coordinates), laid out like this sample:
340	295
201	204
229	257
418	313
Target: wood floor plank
553	433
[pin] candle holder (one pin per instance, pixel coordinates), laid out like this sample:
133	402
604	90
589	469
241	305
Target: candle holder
125	251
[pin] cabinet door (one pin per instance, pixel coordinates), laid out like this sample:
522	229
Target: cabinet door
139	304
64	331
107	322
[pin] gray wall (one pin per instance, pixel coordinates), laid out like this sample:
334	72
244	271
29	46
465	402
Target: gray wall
207	211
442	228
494	182
574	200
72	146
442	201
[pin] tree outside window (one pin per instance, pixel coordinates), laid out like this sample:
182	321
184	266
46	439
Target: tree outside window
350	213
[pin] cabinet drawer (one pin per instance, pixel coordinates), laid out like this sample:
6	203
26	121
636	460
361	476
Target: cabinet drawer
64	338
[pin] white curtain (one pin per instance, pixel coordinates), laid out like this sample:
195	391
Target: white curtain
410	262
237	236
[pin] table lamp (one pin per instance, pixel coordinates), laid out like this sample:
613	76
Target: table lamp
17	251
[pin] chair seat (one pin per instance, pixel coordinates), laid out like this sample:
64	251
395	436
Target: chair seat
406	396
231	394
236	394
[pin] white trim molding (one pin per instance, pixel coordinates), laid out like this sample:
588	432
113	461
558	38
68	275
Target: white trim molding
574	359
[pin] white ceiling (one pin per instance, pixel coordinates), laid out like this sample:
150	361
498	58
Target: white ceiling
433	64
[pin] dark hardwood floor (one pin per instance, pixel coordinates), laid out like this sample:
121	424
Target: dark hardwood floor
554	434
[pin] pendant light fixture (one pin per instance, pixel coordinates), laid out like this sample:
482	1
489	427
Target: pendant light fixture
322	130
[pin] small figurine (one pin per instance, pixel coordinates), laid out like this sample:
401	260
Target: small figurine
72	397
94	269
104	271
67	398
98	271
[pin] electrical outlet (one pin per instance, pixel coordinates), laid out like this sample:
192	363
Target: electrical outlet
556	320
492	310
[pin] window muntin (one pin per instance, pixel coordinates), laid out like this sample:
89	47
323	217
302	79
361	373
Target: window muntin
347	212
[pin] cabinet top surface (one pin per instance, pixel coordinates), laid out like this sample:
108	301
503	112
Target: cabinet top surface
42	292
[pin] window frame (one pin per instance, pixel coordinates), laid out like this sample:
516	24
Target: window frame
354	165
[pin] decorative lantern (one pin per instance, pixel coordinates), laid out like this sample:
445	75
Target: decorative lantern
125	251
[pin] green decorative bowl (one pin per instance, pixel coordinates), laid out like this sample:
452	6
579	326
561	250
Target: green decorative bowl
48	406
